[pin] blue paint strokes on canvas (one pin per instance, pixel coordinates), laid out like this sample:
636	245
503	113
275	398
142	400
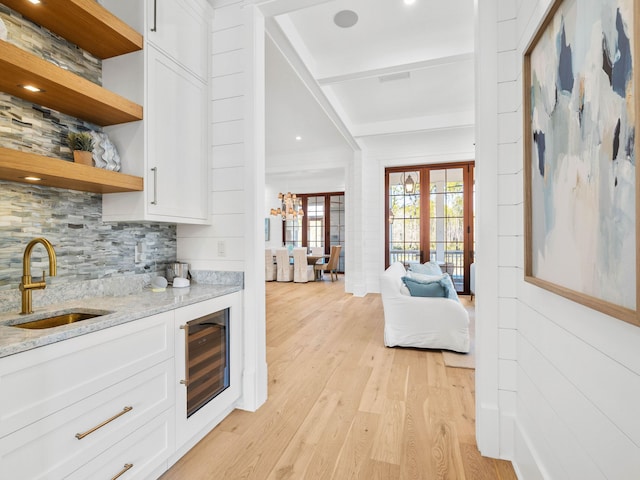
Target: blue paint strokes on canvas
618	64
621	74
539	139
630	145
565	68
616	140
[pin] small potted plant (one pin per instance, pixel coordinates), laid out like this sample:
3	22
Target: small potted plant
82	145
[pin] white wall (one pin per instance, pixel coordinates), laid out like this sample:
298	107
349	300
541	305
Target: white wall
232	242
568	376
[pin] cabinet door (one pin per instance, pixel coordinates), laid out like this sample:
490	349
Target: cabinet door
175	27
177	151
103	419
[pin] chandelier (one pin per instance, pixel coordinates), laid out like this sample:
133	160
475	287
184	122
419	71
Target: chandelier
291	206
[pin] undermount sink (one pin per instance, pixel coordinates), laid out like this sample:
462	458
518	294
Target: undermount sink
59	319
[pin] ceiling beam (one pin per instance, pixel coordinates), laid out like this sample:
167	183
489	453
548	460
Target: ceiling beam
272	8
417	124
284	45
401	68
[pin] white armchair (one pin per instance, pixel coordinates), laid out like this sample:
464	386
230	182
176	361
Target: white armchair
424	322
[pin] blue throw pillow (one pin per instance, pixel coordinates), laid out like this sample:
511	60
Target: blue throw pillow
444	280
429	268
425	289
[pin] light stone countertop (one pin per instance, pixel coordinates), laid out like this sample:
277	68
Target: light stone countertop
122	309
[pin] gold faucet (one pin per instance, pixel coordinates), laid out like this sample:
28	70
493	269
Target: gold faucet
27	285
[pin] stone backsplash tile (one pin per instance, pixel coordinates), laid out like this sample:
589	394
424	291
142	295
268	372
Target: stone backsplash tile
86	247
35	129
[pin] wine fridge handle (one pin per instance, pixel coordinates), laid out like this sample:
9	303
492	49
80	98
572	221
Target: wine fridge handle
185	327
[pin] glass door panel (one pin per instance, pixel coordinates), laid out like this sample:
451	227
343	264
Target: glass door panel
447	231
405	240
315	221
337	226
293	232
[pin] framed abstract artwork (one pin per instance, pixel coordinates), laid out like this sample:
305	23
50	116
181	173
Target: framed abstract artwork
580	114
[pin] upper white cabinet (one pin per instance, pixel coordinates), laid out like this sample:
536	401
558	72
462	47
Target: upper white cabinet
177	28
170	147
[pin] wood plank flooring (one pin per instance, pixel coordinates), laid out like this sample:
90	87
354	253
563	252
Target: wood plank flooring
343	406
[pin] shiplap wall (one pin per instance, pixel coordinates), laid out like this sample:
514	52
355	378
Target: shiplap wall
220	246
575	372
233	242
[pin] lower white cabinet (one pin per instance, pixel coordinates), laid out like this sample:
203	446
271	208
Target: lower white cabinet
64	404
141	455
109	404
60	443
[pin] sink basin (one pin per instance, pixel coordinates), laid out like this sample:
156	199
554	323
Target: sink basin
58	320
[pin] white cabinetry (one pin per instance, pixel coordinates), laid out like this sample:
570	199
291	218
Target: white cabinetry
74	404
170	147
110	401
178	29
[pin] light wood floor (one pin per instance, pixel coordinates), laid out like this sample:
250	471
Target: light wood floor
342	406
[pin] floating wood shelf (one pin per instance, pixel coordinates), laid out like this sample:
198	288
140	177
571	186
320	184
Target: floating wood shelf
16	165
62	90
83	22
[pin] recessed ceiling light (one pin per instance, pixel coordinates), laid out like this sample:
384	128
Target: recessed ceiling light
409	2
345	18
31	88
298	138
32	179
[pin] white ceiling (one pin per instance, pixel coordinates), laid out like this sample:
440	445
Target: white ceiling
325	82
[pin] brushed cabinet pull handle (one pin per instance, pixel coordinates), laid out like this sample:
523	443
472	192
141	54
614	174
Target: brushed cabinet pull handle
80	436
155	16
155	186
185	382
127	466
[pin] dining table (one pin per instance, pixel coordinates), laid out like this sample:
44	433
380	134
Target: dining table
312	259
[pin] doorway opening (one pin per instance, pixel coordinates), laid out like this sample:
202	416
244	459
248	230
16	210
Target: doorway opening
430	217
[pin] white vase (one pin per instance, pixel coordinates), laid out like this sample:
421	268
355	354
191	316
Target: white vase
3	30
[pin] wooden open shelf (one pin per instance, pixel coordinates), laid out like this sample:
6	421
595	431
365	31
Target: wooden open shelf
83	22
62	90
15	165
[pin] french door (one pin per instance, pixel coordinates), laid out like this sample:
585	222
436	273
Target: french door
430	217
323	224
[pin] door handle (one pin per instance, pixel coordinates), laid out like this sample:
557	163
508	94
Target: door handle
155	186
155	16
185	327
80	436
126	467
